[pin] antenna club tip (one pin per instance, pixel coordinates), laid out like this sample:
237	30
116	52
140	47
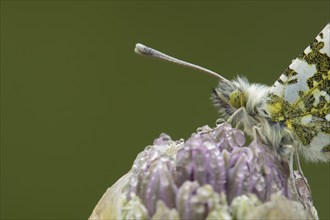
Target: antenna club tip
138	45
139	48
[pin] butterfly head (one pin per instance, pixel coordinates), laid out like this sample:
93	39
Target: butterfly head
239	93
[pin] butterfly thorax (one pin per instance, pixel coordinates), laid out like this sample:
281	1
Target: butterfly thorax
247	104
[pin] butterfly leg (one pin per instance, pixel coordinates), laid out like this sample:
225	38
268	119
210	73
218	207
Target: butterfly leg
285	151
257	128
234	116
238	125
303	189
301	172
257	133
292	178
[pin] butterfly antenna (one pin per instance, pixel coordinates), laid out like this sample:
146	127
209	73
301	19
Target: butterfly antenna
147	51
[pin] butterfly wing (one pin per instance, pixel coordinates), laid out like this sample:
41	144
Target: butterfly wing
300	98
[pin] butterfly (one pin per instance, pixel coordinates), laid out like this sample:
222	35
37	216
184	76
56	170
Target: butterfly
293	115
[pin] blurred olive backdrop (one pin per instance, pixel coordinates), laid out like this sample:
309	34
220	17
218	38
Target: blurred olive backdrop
77	105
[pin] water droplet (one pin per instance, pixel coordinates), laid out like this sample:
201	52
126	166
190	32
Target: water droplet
199	129
149	147
134	181
180	141
219	121
259	187
143	166
274	186
153	155
209	145
239	137
240	175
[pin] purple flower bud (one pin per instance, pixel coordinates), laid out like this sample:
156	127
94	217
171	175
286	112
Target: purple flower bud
210	176
200	160
157	184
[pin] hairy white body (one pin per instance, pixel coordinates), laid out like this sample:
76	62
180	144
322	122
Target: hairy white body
253	113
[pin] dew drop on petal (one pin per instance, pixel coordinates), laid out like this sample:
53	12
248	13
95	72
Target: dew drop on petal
199	130
219	121
258	187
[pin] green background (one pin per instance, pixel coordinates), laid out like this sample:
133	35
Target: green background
77	105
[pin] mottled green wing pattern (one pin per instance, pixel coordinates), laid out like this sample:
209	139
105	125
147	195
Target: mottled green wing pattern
300	97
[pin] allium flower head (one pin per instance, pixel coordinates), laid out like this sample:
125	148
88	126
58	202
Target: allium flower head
212	175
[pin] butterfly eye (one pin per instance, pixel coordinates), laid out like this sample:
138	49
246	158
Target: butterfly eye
237	99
